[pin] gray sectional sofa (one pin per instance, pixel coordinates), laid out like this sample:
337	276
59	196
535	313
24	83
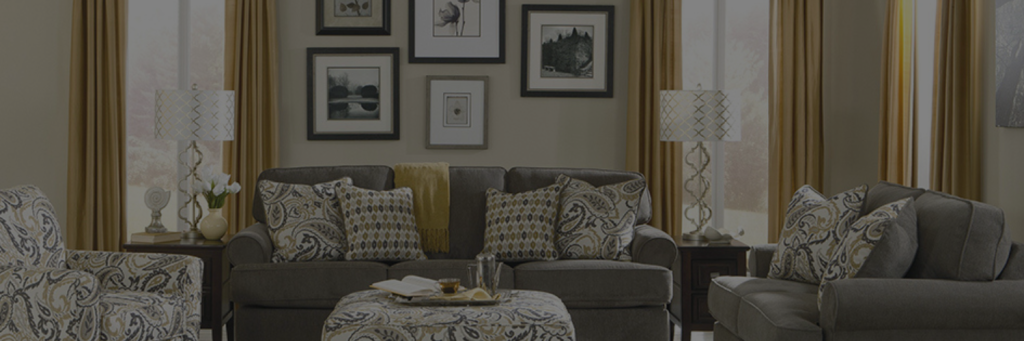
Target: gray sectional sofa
966	283
608	300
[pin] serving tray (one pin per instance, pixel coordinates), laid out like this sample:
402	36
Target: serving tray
428	301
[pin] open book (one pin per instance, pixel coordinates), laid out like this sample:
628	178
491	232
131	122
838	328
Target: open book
409	286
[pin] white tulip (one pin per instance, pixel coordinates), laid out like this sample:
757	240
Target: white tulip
235	188
219	190
222	179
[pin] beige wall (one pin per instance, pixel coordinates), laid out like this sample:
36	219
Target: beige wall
851	91
569	132
34	65
1002	163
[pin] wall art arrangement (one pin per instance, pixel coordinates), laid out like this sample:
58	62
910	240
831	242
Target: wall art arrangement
352	93
457	112
1010	64
567	51
457	31
353	17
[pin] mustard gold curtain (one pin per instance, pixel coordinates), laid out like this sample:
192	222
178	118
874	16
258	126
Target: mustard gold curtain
251	71
655	64
896	147
96	217
795	123
956	115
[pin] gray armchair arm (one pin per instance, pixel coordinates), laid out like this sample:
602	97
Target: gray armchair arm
863	304
653	246
760	260
251	245
48	304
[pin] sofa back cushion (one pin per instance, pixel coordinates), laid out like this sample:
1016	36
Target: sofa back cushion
377	178
959	239
467	209
521	179
886	192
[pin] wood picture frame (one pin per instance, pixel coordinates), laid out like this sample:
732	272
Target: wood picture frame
567	51
459	38
352	93
353	17
457	110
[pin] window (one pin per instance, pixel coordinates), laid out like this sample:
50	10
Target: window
746	70
152	64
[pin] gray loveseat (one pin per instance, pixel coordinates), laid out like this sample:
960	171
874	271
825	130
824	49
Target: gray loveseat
966	283
608	300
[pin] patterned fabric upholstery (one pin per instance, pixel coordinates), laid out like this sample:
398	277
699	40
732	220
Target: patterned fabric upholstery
104	295
597	222
32	236
380	225
814	226
521	226
305	221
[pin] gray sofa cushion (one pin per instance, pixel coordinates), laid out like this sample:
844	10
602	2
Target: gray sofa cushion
886	192
893	253
377	178
779	315
587	283
467	209
446	268
959	239
727	292
521	179
302	284
1014	268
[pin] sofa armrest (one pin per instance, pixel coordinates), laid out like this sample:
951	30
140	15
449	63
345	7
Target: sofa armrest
176	275
48	304
1014	268
921	304
760	260
251	245
653	246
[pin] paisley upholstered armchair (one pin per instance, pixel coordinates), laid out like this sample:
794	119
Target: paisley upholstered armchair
49	293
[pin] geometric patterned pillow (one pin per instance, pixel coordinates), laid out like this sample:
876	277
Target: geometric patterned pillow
304	221
860	241
813	229
597	223
31	234
380	225
521	226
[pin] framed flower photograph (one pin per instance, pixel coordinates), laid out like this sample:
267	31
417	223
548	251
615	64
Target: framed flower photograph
353	17
457	112
567	51
457	31
352	93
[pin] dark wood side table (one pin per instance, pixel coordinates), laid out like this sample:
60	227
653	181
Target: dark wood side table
699	263
216	308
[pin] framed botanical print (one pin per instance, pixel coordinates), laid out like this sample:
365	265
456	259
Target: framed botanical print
352	93
353	17
567	51
457	112
457	31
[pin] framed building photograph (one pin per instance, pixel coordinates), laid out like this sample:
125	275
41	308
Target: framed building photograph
352	93
353	17
457	112
1009	64
567	51
457	31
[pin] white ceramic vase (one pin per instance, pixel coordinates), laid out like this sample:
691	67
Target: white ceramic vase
213	226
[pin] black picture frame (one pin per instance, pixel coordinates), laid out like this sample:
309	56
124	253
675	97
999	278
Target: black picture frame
392	91
565	11
383	29
499	59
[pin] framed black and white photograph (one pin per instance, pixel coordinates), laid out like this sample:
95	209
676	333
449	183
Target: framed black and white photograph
353	17
567	51
352	93
457	112
1009	64
457	31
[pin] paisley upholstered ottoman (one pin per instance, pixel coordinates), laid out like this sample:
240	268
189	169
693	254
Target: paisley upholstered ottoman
373	315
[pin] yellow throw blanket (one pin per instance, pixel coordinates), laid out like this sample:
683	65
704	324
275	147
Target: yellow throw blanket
430	200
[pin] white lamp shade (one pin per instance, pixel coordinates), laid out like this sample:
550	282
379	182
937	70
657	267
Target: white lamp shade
195	115
701	115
